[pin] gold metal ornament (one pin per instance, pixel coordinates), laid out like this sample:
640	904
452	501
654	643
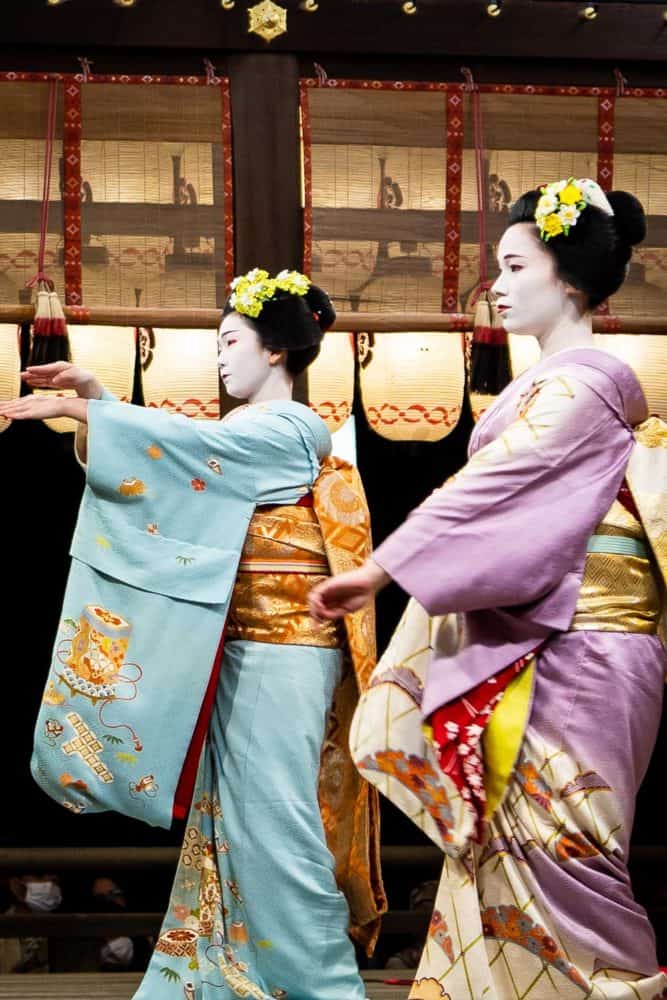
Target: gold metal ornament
227	4
267	20
409	7
310	6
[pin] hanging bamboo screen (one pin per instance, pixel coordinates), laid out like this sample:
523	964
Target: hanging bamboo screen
153	193
23	128
530	139
375	164
640	166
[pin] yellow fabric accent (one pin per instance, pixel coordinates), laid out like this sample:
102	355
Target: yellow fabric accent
283	557
350	806
503	736
618	594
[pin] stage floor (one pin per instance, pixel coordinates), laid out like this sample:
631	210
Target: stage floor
111	986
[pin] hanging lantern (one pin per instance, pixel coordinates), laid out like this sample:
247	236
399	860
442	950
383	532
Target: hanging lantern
106	351
331	380
10	367
647	357
524	353
412	385
479	403
182	373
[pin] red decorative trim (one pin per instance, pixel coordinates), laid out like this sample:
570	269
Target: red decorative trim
485	88
328	410
414	413
31	77
606	114
452	247
307	178
190	81
228	181
78	315
608	324
395	85
72	191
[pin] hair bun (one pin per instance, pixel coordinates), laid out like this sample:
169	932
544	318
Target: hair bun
629	217
320	304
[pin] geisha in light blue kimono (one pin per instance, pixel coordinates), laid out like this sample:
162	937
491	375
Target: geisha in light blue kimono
188	678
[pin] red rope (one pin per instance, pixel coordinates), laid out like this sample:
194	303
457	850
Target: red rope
476	97
46	186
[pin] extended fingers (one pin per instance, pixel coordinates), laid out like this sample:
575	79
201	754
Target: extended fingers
19	409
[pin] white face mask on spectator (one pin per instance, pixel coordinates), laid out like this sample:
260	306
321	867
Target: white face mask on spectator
118	951
43	896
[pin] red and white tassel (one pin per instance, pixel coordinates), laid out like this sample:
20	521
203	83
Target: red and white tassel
42	321
58	321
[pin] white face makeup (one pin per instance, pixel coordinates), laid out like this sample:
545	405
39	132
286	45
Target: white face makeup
244	364
530	297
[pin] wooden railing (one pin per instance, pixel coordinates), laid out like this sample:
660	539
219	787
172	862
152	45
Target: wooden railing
376	322
421	861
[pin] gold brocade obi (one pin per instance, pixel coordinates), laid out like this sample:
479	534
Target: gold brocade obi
620	592
283	558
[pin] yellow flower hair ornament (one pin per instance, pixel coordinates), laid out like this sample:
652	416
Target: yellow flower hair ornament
562	202
250	291
558	208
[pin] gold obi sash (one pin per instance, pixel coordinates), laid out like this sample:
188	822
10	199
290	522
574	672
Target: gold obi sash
621	589
283	557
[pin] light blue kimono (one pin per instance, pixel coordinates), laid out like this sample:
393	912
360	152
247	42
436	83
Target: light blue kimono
155	555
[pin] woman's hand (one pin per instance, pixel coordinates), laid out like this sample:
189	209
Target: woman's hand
45	407
347	592
63	375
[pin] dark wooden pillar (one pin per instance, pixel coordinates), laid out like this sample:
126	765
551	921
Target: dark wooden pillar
267	167
267	170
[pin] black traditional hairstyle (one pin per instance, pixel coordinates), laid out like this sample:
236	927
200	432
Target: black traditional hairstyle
293	323
594	256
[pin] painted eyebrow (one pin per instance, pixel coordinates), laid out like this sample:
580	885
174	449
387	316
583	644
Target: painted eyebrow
513	256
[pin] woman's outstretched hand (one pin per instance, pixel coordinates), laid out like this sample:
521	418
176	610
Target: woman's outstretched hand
45	407
340	595
63	375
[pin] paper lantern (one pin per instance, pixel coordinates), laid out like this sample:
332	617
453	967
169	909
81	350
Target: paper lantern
479	403
412	385
647	356
180	373
10	367
108	352
331	380
524	353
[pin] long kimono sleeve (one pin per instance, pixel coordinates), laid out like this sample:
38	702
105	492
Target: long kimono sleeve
155	554
514	523
168	499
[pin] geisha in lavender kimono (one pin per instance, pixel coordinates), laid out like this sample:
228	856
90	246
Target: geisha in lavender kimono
515	710
188	678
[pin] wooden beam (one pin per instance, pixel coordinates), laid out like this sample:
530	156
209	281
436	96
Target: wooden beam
348	322
624	31
117	218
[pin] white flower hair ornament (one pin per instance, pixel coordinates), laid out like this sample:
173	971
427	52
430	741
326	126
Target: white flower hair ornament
562	202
